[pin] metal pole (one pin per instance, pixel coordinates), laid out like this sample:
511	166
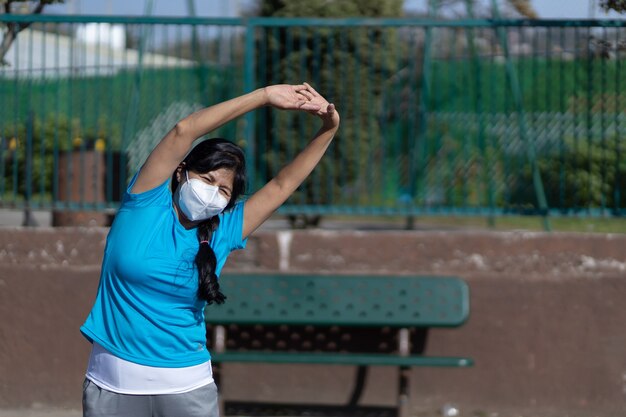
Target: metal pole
250	119
420	139
523	127
195	47
475	59
29	220
131	120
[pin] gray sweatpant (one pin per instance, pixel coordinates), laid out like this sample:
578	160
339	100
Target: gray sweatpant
98	402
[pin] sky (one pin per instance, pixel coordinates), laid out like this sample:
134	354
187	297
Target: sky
548	9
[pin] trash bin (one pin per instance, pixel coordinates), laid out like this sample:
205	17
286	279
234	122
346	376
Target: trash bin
81	180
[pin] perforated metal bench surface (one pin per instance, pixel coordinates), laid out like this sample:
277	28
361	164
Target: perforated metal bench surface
351	300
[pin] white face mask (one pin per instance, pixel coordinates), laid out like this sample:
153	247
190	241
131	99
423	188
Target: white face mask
199	200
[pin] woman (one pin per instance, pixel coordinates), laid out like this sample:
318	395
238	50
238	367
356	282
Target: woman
178	221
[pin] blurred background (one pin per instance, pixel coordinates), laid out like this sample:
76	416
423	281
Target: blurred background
482	139
459	110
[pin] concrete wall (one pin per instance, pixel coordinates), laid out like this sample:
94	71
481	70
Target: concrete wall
546	328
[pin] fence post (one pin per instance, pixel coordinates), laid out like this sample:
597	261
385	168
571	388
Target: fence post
249	120
475	59
131	118
414	166
29	220
517	99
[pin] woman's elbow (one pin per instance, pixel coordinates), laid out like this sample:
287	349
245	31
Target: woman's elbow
180	137
182	128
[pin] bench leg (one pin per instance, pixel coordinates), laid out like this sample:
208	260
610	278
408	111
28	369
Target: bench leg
359	384
217	377
221	405
403	392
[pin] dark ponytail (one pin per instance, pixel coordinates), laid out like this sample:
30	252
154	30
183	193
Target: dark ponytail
208	285
208	156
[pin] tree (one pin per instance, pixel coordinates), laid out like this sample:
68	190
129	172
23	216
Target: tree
580	175
349	65
11	29
525	8
482	8
616	5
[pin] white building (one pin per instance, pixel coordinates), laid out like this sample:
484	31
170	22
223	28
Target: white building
97	49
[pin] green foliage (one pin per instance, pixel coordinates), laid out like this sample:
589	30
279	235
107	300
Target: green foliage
577	175
324	8
616	5
348	66
91	98
545	84
86	113
49	138
461	165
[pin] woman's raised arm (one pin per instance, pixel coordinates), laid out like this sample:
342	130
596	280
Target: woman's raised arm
172	149
264	202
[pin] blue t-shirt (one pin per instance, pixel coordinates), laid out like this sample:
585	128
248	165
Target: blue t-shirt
146	309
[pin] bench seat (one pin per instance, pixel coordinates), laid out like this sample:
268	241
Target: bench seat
373	359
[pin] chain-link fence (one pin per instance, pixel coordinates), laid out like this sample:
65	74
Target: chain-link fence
478	117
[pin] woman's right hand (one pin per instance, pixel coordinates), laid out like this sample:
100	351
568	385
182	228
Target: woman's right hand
327	112
290	97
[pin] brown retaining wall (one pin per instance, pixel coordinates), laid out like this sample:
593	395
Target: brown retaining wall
547	328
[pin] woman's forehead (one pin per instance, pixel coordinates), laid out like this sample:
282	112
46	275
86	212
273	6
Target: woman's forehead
220	173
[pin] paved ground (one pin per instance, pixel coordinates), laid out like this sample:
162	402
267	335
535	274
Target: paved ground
40	412
10	217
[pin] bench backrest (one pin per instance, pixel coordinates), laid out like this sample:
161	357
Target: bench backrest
342	300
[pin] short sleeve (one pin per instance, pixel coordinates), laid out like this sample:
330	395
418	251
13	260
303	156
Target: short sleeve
231	227
159	196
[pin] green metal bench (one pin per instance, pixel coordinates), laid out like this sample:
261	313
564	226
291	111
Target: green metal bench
360	320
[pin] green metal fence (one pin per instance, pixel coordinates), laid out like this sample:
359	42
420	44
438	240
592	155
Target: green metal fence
476	117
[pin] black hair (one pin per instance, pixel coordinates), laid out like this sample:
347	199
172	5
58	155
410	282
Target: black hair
210	155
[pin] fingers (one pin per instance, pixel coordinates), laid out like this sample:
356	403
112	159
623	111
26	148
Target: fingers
303	90
308	106
308	99
305	95
311	90
306	88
